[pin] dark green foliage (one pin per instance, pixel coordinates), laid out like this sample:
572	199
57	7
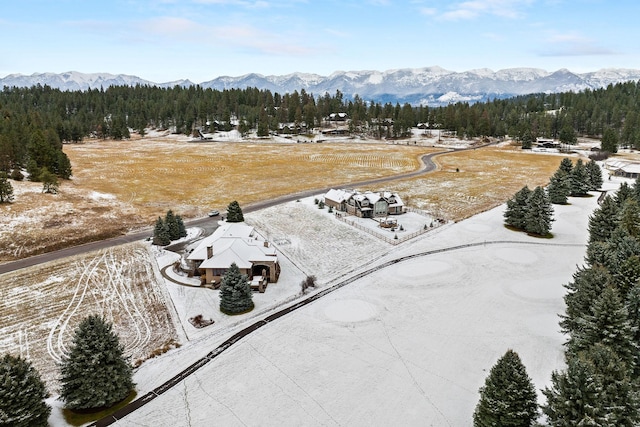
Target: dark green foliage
508	397
603	220
517	208
630	217
609	325
234	212
568	135
580	180
235	292
595	175
50	183
595	390
539	214
566	165
173	230
526	140
559	188
588	284
624	192
609	141
6	189
22	394
95	374
182	230
161	233
17	175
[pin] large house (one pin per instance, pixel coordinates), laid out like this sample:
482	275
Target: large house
240	244
365	205
624	168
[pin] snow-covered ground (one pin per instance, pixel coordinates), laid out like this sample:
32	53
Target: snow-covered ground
407	345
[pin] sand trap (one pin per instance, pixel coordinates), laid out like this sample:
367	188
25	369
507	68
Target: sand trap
350	310
515	255
421	269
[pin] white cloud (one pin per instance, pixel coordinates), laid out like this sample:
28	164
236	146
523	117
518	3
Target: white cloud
573	44
428	11
511	9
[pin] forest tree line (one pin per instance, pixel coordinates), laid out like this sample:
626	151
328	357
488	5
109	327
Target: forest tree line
36	121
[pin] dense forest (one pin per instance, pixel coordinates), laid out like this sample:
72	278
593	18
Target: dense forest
36	121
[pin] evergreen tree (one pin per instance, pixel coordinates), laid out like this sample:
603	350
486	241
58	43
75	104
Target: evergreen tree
517	208
595	390
609	141
595	175
235	292
527	140
609	325
508	397
161	233
586	287
568	135
580	180
22	394
173	230
636	189
234	212
618	249
95	374
633	309
6	189
182	230
624	192
50	182
559	188
604	220
566	165
539	213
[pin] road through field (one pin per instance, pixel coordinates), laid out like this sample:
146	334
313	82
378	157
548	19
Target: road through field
426	167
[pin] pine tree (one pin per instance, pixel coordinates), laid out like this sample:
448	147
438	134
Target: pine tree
235	292
170	223
6	189
95	374
595	175
624	192
580	180
630	217
234	213
22	394
566	165
633	309
559	188
618	248
604	220
50	182
609	141
539	214
182	230
595	390
568	135
508	397
609	325
517	208
587	285
161	233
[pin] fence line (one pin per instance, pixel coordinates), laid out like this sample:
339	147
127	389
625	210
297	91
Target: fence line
396	240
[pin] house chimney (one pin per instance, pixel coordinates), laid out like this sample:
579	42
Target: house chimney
209	252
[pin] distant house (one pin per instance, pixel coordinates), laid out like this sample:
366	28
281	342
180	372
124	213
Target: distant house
337	117
365	205
623	168
547	143
240	244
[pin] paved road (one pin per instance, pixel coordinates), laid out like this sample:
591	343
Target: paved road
427	166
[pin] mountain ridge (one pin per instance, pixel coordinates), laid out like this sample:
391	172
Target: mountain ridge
431	86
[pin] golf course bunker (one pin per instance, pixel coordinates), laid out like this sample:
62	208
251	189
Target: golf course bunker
350	310
421	268
516	255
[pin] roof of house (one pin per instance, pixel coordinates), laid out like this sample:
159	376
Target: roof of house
625	166
233	243
338	195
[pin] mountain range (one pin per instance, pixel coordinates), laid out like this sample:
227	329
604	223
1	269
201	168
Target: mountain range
431	86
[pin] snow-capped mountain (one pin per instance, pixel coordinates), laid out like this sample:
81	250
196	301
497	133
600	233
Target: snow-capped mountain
428	86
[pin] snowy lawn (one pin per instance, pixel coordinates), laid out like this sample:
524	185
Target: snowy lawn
407	345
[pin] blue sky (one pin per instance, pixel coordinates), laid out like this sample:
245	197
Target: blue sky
166	40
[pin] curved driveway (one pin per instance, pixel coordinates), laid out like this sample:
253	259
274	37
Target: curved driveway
427	166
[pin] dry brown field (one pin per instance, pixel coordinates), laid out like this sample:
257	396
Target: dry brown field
123	185
119	186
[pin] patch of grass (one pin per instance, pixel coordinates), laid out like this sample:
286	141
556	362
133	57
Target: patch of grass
81	417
